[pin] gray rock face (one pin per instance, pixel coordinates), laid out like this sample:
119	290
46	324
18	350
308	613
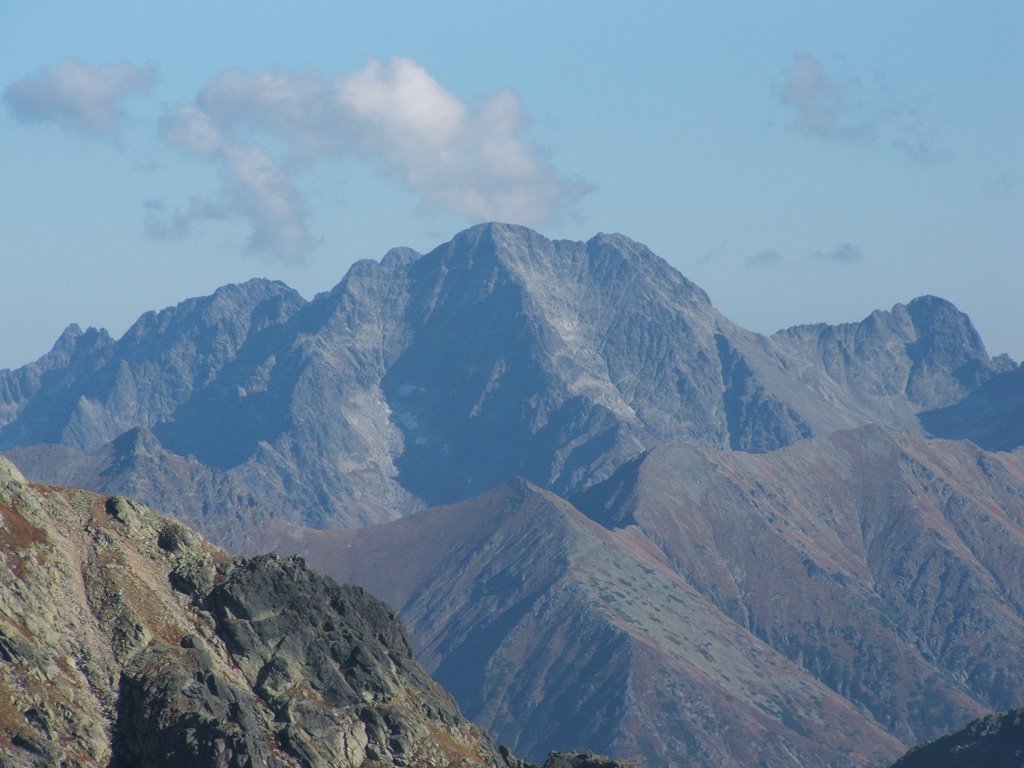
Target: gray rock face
588	760
427	379
991	416
89	389
919	356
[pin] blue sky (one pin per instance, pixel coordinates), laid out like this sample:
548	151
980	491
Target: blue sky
802	162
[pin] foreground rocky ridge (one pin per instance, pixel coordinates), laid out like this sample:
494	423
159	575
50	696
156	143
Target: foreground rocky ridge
127	640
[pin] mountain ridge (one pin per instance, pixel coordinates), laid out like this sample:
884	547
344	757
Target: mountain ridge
374	399
876	568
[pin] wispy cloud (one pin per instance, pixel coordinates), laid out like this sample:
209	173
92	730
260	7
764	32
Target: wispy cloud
260	127
843	253
1003	184
855	111
823	106
767	258
255	186
176	224
79	97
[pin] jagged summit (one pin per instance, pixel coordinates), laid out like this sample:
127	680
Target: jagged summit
425	379
399	256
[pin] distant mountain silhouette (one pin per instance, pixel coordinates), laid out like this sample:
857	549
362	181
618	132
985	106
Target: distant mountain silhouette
991	416
421	380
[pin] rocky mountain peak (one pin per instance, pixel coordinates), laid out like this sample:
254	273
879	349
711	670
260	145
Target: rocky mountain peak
67	338
235	307
399	257
73	343
949	358
390	391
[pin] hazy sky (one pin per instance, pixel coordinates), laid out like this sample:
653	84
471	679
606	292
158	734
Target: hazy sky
802	162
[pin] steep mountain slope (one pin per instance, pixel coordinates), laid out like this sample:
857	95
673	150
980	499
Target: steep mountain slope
864	588
127	640
547	626
991	416
428	379
136	464
887	565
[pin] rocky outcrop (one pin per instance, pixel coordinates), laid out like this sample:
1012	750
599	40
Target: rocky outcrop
587	760
127	640
922	355
993	741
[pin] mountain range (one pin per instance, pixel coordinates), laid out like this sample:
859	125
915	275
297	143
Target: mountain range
830	603
611	517
421	380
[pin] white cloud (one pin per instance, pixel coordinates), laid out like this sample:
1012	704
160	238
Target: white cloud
259	127
297	107
270	202
475	163
78	96
400	103
256	187
192	129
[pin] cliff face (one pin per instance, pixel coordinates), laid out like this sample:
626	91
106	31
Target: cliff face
128	640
